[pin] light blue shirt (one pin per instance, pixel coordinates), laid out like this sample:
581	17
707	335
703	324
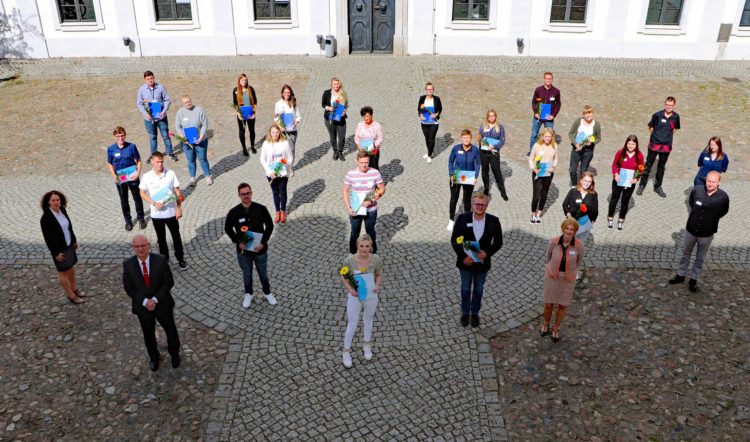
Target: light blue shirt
146	94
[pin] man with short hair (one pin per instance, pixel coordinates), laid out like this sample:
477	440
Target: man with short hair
471	228
662	127
161	189
190	116
708	204
544	94
243	222
147	280
365	181
124	163
153	92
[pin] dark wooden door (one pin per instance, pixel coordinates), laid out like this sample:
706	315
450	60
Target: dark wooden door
371	25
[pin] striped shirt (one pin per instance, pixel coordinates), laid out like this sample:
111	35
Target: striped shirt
364	182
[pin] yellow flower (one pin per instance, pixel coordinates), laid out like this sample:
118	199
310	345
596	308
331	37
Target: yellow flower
460	240
344	270
538	158
592	138
363	269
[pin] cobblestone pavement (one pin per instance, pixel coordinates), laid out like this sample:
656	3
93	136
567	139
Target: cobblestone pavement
430	378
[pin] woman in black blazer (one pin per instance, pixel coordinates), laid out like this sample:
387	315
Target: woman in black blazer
61	242
581	201
336	129
429	128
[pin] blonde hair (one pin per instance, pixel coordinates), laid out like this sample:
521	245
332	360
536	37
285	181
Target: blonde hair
569	222
542	133
341	93
592	189
269	138
495	125
480	196
365	237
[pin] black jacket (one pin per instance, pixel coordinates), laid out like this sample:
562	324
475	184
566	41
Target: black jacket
492	240
256	218
53	233
706	211
160	283
438	106
573	201
326	101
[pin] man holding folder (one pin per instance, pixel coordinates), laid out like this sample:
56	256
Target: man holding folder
153	102
545	105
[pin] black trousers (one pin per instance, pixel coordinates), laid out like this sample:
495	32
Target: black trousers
375	161
579	157
161	236
455	189
336	134
122	191
541	187
491	161
250	129
165	316
626	193
661	165
430	132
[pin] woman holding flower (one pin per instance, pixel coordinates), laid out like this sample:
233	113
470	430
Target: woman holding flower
369	136
582	200
333	98
288	106
244	95
628	161
711	159
277	158
584	134
564	256
360	263
491	139
542	162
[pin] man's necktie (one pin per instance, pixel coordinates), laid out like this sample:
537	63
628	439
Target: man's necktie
145	273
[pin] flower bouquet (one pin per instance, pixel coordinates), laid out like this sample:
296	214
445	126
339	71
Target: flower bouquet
249	238
638	171
179	139
347	273
471	248
279	168
454	176
280	119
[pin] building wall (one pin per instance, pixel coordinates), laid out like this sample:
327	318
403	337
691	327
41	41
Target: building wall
613	28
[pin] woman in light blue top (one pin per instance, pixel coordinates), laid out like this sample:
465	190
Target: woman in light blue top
712	158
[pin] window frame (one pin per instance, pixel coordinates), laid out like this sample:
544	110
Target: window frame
78	26
173	4
743	8
739	30
489	23
468	19
77	5
568	7
174	25
272	23
571	27
661	13
273	5
679	29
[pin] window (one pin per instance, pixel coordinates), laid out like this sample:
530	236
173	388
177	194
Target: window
173	10
745	19
664	12
471	9
272	9
568	11
76	11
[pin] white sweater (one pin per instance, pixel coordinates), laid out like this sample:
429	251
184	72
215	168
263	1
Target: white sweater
271	153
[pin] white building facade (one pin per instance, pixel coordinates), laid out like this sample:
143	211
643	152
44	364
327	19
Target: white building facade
683	29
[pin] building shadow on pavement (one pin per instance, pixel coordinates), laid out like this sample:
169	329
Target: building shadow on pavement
391	170
306	194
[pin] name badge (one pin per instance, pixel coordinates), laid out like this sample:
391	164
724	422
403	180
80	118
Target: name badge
185	119
242	220
460	152
117	155
706	158
551	98
663	120
579	201
698	203
470	225
572	253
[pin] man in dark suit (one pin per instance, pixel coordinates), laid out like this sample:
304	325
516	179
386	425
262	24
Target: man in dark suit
148	280
476	225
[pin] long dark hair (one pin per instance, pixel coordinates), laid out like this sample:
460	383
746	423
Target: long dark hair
625	149
292	98
44	204
719	151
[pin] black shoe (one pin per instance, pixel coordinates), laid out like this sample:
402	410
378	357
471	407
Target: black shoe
660	192
678	279
335	155
693	285
245	152
154	364
183	264
640	190
172	157
474	321
555	336
254	150
129	226
141	224
544	330
464	320
341	156
175	361
504	196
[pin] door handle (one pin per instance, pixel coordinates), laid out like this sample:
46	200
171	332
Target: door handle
358	7
382	7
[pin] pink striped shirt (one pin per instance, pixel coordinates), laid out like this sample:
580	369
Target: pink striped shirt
364	182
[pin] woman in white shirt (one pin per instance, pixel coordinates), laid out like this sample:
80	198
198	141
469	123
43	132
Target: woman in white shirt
277	157
287	105
61	242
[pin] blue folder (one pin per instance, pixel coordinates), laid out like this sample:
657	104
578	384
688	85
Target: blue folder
288	120
337	112
246	112
155	108
545	111
427	111
192	135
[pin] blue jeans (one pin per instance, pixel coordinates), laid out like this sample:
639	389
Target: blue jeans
535	126
163	126
246	261
471	300
356	222
190	154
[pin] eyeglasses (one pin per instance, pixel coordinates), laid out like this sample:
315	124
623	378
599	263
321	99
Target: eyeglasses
245	193
479	204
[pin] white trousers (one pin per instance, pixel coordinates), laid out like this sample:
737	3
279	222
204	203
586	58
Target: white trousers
353	309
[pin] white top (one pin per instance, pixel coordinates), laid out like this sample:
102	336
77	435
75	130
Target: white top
271	153
478	226
155	184
64	223
587	129
429	102
281	107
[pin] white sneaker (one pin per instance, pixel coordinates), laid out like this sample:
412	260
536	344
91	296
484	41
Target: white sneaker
429	159
449	226
426	155
209	180
191	182
270	298
367	348
347	359
248	300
